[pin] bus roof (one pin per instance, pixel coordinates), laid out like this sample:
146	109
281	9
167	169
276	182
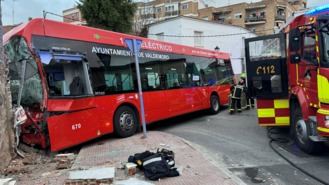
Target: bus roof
50	28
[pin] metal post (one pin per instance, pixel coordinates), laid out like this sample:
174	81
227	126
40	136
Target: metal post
140	92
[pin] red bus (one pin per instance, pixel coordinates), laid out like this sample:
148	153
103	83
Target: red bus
78	83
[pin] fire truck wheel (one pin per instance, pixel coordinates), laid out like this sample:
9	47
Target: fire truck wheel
302	131
214	104
125	121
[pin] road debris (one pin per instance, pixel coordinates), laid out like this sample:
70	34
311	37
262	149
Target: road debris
103	175
132	181
64	161
15	167
130	169
7	181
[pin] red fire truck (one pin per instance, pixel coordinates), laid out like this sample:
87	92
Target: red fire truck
78	83
288	73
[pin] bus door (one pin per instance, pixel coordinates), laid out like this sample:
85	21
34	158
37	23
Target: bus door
70	103
267	78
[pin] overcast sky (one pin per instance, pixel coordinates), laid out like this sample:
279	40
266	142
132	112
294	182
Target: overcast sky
33	8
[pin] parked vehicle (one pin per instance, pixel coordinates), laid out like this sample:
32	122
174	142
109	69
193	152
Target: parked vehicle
288	74
78	83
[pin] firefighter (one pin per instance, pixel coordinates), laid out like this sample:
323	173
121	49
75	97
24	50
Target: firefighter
236	93
250	102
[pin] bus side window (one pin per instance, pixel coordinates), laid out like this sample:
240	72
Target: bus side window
118	75
175	73
150	74
193	75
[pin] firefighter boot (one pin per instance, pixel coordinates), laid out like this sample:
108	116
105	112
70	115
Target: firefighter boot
238	105
248	104
232	105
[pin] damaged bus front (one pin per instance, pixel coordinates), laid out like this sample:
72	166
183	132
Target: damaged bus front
27	91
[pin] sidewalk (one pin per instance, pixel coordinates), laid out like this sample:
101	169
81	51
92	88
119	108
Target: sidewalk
193	167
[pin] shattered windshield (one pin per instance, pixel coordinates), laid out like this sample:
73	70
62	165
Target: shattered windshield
18	54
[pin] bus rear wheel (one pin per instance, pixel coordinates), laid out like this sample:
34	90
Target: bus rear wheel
214	104
125	121
301	132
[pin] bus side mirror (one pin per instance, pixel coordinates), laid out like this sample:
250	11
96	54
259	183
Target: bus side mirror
295	59
295	40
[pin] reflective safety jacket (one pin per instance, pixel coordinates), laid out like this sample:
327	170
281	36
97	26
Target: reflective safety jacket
237	91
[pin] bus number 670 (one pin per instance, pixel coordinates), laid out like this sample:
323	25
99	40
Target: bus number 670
76	126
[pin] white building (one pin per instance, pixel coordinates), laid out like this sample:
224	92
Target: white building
203	34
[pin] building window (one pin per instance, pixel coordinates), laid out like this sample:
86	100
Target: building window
150	10
253	30
238	15
198	39
184	6
160	36
170	8
158	10
280	12
262	14
141	12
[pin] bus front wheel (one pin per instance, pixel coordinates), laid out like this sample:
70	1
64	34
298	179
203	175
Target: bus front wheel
125	121
302	131
214	104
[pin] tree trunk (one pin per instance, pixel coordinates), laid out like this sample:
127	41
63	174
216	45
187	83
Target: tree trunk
6	121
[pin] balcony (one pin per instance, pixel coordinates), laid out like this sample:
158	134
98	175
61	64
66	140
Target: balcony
280	17
148	16
255	20
171	13
255	6
221	16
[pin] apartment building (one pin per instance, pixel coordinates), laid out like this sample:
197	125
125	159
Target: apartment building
157	10
73	16
260	17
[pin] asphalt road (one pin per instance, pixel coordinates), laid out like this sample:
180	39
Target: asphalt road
239	144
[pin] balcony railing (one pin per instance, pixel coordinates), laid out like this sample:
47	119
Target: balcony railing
280	17
220	20
172	13
255	19
148	16
255	6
